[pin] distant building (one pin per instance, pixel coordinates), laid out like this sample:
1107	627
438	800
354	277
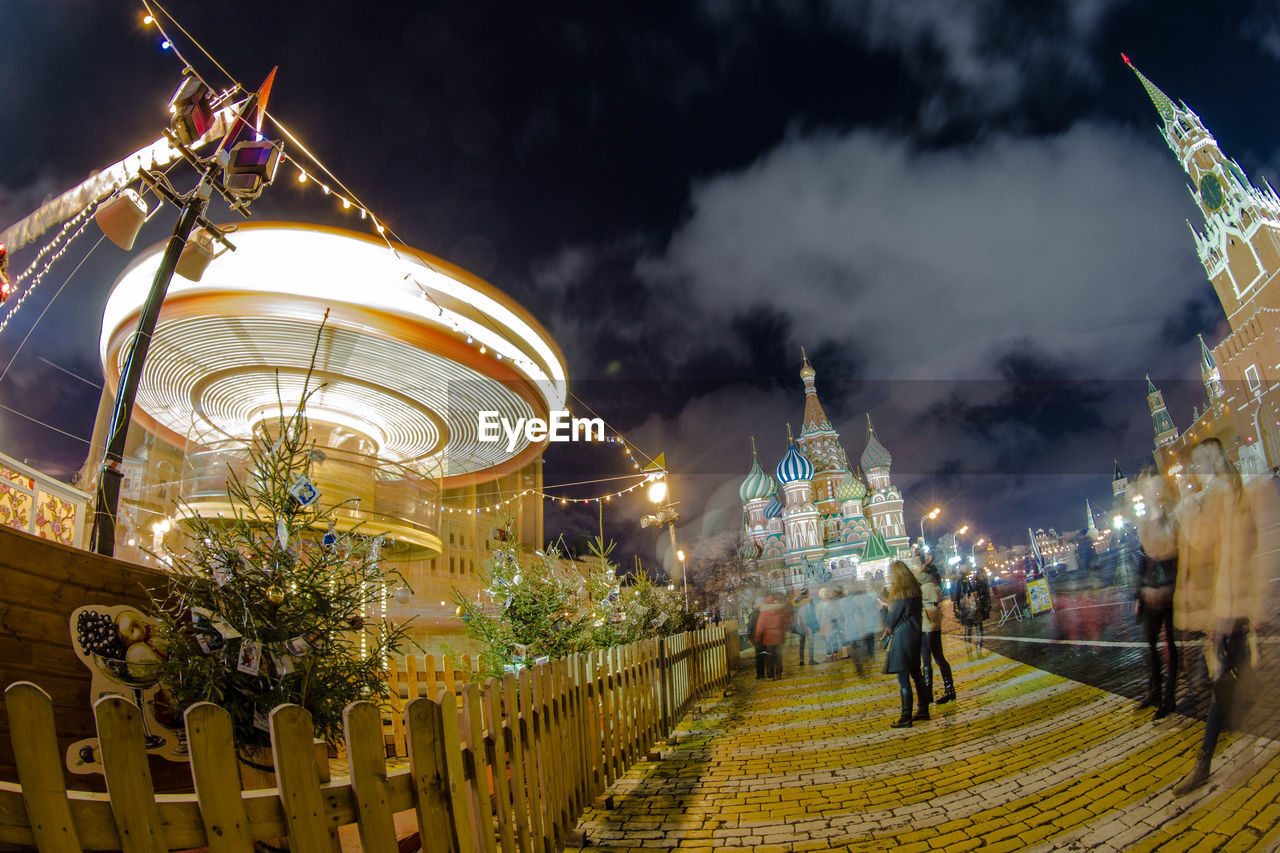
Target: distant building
819	521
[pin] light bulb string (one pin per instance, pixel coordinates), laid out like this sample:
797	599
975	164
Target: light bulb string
348	199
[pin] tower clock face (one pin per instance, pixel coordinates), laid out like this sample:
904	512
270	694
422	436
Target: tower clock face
1211	192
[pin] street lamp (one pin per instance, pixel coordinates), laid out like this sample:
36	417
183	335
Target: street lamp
931	514
684	570
972	556
955	540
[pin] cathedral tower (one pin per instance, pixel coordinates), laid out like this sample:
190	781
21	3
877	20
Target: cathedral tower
799	515
884	503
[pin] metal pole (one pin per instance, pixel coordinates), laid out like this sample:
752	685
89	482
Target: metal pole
108	498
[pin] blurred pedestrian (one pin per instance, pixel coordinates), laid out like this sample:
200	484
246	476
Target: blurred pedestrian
830	617
771	632
971	602
902	633
931	631
1157	579
861	620
804	623
752	619
1218	518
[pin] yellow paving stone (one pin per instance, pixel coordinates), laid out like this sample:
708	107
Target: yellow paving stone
1025	758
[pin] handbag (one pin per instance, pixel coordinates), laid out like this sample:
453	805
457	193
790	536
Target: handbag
886	641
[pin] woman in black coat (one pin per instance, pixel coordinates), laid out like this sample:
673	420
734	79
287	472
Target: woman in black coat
902	629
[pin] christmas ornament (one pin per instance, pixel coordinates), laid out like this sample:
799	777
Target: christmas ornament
275	595
303	492
517	578
222	566
375	548
403	594
356	621
282	533
458	611
330	538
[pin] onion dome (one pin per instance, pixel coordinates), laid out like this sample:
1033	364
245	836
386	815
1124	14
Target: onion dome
874	456
774	508
851	488
807	371
795	465
758	484
750	551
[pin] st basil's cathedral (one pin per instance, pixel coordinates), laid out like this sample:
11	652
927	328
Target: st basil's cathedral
816	520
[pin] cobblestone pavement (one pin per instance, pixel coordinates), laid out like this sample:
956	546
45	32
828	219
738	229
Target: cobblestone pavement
1026	760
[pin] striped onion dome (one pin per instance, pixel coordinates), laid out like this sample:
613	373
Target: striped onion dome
874	456
774	509
794	466
758	484
851	488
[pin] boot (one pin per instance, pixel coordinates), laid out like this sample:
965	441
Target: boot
922	712
904	721
1198	776
949	691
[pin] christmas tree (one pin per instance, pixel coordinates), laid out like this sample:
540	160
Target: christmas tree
266	608
544	605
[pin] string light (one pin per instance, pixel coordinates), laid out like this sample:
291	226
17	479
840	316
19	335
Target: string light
83	217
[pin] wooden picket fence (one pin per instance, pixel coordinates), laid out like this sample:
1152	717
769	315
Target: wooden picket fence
507	764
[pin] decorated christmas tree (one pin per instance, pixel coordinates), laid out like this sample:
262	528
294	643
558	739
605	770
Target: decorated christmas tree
543	605
266	607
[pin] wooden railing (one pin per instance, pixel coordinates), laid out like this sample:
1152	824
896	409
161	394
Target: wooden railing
509	764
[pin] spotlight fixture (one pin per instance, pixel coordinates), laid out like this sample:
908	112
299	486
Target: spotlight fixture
196	255
191	108
251	166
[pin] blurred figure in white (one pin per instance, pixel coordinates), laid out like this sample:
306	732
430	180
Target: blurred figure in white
1217	522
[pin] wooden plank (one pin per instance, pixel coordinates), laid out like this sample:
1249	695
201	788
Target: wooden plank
555	740
298	777
396	679
429	670
482	770
39	763
366	759
465	669
496	743
411	676
532	768
516	751
546	767
214	770
450	683
425	736
124	763
581	717
609	718
572	750
596	740
457	774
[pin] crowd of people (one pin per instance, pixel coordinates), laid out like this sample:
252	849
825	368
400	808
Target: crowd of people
843	621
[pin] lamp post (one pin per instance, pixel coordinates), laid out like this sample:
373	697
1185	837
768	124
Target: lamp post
684	571
666	513
955	540
931	514
972	549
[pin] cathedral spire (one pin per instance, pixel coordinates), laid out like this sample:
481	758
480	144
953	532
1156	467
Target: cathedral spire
1162	102
1206	357
815	417
1088	512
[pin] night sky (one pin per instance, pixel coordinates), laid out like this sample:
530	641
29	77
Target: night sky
962	210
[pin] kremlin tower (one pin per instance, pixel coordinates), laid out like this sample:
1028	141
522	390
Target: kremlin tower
820	516
1239	248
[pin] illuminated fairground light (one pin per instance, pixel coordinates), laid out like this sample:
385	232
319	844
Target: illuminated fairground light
413	348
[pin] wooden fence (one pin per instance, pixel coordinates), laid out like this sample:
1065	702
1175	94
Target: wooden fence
509	764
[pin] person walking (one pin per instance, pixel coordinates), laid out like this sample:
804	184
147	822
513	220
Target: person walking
971	602
1157	581
931	631
902	631
805	623
752	619
771	632
861	619
1218	517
